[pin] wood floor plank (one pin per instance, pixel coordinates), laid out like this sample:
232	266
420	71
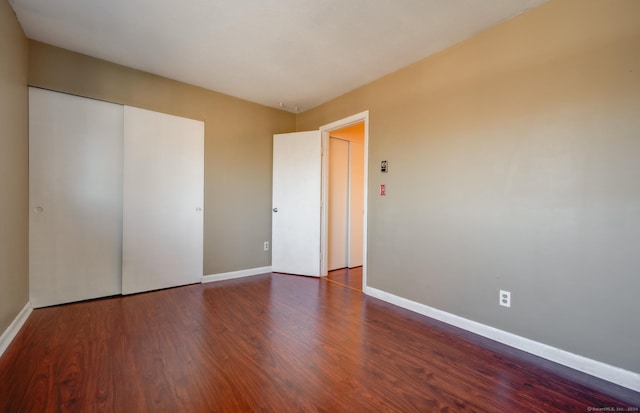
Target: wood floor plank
348	277
275	343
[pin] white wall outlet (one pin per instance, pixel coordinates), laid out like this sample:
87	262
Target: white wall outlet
266	245
505	298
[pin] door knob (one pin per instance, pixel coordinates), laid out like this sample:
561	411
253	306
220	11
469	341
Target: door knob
275	209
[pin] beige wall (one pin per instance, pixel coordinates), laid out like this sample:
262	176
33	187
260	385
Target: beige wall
14	152
238	145
515	164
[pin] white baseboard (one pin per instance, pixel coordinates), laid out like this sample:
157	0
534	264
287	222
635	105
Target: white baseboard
595	368
235	274
10	333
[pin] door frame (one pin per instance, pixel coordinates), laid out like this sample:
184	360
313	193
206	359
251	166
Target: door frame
325	131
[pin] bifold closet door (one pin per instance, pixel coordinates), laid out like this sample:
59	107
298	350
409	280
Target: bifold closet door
163	201
75	198
338	228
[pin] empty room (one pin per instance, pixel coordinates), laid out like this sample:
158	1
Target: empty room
319	206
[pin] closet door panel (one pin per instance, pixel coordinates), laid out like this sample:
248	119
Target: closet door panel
163	201
75	197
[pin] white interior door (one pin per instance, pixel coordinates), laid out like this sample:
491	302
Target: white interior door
75	198
163	201
295	242
338	231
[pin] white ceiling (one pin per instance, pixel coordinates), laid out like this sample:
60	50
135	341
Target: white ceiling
298	52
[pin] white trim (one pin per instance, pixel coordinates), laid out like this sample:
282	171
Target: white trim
235	274
325	129
324	200
348	121
10	333
595	368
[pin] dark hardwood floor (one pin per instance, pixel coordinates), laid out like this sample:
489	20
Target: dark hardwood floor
347	277
275	343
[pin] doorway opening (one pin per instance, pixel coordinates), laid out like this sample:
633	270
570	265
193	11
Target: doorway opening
344	194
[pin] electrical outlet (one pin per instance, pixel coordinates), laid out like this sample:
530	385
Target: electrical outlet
266	245
505	298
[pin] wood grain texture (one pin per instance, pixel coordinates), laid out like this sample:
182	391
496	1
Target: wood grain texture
275	343
347	277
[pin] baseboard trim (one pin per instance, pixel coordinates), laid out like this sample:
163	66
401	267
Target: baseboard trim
10	333
617	375
235	274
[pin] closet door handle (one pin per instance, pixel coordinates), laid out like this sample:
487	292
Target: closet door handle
275	209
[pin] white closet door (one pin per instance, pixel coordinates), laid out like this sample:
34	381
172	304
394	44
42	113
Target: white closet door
163	201
338	203
75	197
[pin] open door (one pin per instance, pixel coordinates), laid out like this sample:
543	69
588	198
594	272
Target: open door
297	188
